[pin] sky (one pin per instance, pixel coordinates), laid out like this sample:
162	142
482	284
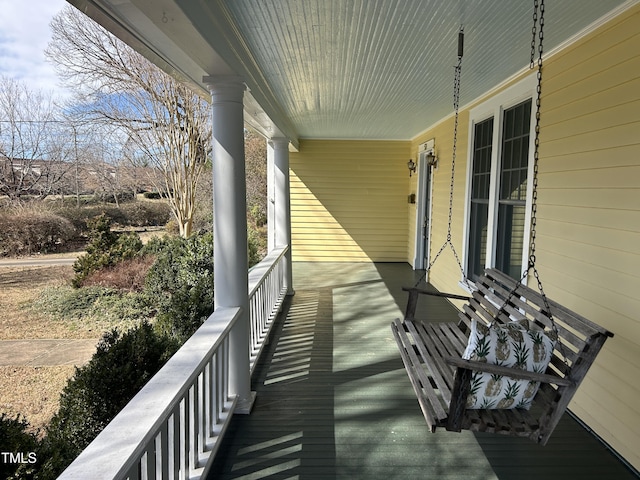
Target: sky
24	34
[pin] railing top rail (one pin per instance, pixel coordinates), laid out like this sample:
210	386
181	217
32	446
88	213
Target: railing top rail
262	269
120	444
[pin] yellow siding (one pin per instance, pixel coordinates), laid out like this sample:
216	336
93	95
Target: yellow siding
588	244
589	213
349	201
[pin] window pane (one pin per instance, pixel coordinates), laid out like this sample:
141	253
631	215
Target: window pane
479	212
510	239
478	238
513	189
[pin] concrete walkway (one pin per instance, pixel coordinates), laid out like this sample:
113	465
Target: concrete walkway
46	352
49	261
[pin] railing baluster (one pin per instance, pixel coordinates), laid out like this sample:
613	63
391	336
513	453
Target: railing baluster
184	437
149	470
134	472
224	370
174	431
206	387
162	460
202	416
219	380
193	426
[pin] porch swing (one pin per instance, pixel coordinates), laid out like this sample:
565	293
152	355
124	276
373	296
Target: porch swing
515	358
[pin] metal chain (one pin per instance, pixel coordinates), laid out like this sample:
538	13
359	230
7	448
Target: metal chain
536	154
531	264
538	25
533	35
536	151
456	108
534	201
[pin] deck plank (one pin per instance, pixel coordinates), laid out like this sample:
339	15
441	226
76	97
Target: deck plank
334	400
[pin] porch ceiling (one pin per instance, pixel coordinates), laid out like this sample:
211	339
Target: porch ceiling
372	69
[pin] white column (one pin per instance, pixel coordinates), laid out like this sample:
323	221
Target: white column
282	201
230	225
271	213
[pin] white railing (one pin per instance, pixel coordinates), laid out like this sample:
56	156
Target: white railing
173	427
267	289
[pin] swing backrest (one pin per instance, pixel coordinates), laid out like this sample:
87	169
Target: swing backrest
579	339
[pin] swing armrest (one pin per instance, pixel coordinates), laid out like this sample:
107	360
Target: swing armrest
436	294
508	371
414	292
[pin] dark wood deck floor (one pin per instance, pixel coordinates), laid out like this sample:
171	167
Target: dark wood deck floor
334	400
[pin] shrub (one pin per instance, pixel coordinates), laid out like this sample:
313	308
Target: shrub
110	197
81	217
121	366
93	308
171	227
256	244
16	439
143	214
126	275
135	214
257	215
105	248
180	282
28	232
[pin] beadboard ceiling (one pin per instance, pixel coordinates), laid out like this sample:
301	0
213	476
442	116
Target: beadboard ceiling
371	69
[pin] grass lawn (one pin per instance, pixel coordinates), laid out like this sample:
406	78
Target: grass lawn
20	286
39	303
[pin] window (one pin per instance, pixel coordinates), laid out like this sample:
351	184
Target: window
497	226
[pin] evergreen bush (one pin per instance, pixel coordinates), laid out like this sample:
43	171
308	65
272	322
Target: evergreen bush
152	195
16	439
180	282
117	197
105	248
121	366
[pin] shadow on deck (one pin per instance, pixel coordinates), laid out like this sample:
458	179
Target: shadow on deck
334	400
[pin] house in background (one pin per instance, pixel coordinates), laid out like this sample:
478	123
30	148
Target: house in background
348	92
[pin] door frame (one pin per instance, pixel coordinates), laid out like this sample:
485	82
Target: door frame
424	199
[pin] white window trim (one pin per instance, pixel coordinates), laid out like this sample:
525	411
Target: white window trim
494	107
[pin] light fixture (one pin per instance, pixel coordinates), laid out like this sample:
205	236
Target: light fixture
412	166
431	159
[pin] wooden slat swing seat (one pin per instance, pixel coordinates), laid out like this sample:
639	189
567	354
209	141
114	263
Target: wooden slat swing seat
432	353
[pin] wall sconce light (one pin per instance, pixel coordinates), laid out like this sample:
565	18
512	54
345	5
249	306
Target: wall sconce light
431	159
412	166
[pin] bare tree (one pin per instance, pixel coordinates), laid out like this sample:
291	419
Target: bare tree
33	148
102	169
167	125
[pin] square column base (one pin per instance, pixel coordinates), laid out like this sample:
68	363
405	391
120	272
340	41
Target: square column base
244	408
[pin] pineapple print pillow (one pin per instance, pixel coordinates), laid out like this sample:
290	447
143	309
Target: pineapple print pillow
518	344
